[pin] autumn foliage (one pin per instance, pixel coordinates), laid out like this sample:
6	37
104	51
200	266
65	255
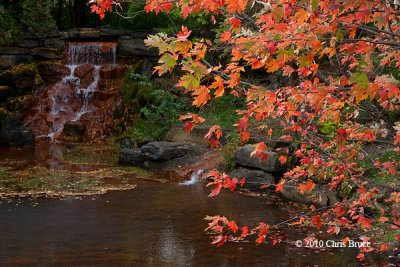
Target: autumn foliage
336	59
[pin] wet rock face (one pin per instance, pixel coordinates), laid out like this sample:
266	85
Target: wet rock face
86	74
243	158
162	150
74	131
112	72
52	72
12	133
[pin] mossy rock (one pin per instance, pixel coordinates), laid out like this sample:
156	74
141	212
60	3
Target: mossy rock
19	103
21	76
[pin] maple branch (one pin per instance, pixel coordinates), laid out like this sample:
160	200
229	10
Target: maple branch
224	76
371	41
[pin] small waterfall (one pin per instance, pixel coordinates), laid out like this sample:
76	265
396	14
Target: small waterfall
70	88
194	178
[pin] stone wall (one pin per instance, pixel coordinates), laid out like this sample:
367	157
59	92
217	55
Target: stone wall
53	48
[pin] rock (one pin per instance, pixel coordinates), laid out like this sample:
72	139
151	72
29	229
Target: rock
272	143
130	157
81	34
162	150
52	72
7	61
48	53
316	197
126	143
253	178
14	51
56	43
112	72
12	133
85	74
74	131
129	46
243	158
28	43
21	77
83	70
177	133
20	103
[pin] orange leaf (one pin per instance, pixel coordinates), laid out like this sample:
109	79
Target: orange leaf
316	220
201	96
233	227
308	186
219	85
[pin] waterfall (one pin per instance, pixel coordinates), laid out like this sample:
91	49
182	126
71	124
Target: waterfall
193	178
68	91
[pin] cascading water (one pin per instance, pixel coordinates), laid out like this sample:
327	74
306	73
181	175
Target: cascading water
90	57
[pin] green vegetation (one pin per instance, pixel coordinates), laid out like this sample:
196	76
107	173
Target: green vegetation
36	17
155	107
222	111
2	172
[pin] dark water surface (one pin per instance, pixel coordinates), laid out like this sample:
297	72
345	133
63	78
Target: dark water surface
153	225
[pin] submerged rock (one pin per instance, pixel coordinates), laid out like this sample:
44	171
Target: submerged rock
162	150
243	158
253	178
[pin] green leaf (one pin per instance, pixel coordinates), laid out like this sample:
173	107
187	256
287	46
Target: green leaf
314	4
361	79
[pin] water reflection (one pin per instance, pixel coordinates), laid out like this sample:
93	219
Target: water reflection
154	225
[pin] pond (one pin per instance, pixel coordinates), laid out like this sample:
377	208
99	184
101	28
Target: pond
155	224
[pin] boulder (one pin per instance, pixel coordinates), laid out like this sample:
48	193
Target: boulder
243	158
83	70
51	72
48	53
272	143
253	178
130	46
130	157
12	133
162	150
316	197
85	74
20	103
177	133
20	77
56	43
